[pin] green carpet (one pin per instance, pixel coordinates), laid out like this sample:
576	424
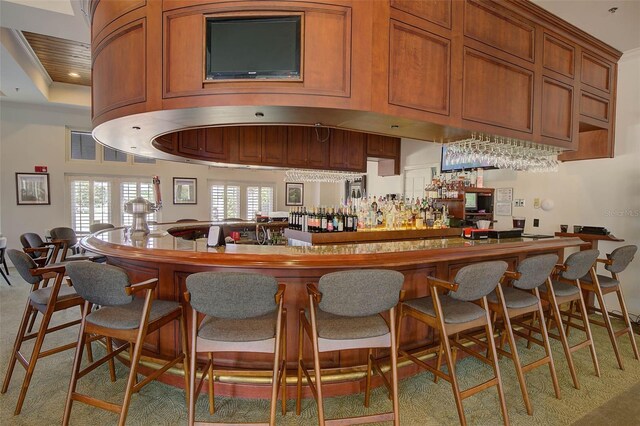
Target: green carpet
421	401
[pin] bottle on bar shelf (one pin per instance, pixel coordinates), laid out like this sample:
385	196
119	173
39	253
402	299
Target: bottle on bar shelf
372	213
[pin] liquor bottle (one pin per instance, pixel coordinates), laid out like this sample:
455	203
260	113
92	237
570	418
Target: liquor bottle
340	220
305	219
323	220
330	220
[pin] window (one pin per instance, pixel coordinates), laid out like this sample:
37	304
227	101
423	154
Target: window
90	203
111	154
225	201
237	200
83	146
259	199
133	189
100	199
138	159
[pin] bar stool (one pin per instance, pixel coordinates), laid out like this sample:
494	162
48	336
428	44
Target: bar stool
345	313
566	289
464	307
123	317
243	313
616	262
3	262
42	253
521	299
43	299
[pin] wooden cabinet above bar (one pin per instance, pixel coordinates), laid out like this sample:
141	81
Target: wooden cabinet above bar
434	70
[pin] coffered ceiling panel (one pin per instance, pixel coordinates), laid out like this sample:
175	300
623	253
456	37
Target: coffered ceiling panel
66	61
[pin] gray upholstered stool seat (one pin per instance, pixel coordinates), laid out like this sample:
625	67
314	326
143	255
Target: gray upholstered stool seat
455	311
339	327
127	317
514	298
42	296
605	281
560	289
239	329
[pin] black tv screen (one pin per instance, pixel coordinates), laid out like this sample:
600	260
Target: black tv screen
251	48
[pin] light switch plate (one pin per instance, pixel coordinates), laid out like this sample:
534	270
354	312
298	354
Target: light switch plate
536	203
519	202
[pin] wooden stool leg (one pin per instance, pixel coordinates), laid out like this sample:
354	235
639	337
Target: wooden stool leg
570	318
438	362
77	360
444	339
367	391
587	327
112	367
28	310
132	380
276	369
185	351
42	331
283	360
300	348
555	313
394	370
529	332
625	313
318	375
494	357
547	347
516	363
192	368
212	402
32	321
607	322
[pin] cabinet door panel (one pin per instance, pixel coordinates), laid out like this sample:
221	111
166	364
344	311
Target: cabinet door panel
558	56
356	151
557	110
596	73
274	144
499	30
297	145
391	147
438	12
338	149
419	69
318	148
594	107
189	142
496	92
250	146
216	145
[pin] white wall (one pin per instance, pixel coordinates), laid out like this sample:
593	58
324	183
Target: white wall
32	135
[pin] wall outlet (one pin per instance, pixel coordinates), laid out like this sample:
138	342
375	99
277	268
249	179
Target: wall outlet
518	203
536	223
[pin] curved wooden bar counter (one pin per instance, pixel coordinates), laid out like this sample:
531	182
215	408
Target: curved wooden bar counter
172	259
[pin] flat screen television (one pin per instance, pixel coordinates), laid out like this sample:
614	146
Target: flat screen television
446	167
253	48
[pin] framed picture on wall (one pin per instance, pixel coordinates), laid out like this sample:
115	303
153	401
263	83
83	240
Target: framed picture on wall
355	189
295	194
185	190
32	189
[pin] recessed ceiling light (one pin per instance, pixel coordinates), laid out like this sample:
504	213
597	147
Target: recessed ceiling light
74	75
395	126
259	114
613	10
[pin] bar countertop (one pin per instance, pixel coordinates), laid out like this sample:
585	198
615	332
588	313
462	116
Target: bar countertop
161	246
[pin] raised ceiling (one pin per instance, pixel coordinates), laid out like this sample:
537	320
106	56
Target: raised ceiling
66	61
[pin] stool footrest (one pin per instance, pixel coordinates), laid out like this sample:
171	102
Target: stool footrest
383	417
